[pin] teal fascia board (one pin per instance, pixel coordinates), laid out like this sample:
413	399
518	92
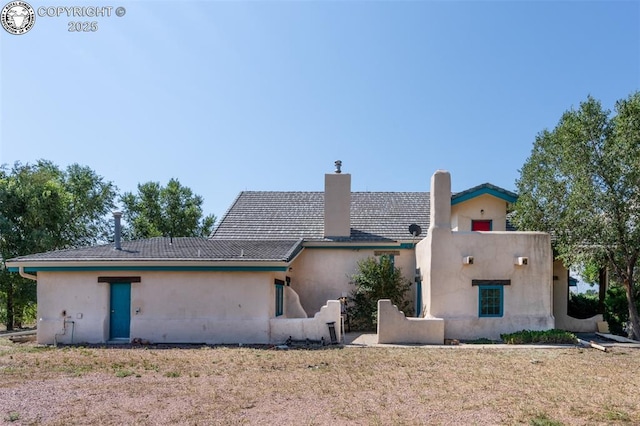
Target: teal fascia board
154	268
363	247
482	191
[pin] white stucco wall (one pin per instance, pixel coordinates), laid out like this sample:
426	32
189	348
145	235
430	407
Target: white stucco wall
321	274
395	327
315	328
448	292
527	300
483	207
173	307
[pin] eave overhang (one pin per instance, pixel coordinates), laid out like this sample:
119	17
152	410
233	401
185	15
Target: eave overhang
485	189
149	265
358	245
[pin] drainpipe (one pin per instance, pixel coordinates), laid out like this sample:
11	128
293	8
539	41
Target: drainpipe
118	229
23	274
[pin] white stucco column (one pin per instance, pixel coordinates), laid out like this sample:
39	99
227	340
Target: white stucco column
440	200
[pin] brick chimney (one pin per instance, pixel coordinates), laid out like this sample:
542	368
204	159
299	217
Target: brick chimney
337	203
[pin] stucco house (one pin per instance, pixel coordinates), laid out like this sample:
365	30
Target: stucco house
277	263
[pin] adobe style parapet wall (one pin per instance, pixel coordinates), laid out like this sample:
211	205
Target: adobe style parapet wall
315	328
454	264
395	327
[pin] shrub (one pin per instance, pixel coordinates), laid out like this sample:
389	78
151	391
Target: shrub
616	309
376	280
582	305
547	336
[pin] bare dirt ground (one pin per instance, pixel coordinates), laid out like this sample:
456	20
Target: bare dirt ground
410	386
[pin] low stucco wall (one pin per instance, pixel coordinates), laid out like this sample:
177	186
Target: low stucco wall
292	306
561	302
587	325
394	327
470	328
315	328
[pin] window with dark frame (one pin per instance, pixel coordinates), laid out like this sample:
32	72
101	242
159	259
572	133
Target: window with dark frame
279	297
491	300
490	297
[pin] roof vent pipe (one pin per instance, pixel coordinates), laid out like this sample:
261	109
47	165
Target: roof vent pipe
338	164
118	229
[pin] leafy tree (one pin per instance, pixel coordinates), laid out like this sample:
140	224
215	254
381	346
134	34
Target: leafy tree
581	183
616	312
45	208
376	280
165	211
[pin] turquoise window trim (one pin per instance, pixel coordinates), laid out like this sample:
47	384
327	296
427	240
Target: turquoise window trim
392	259
418	298
490	301
279	297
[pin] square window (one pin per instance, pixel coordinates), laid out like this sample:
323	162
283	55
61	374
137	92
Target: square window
490	300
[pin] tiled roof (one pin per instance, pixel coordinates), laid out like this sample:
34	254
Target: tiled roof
185	248
375	216
270	226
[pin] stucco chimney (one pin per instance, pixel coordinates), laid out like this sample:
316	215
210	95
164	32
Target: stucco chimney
337	203
118	229
440	200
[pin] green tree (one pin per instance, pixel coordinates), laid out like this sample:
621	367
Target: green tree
171	211
616	312
375	280
45	208
581	183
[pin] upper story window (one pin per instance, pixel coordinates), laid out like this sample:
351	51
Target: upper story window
481	225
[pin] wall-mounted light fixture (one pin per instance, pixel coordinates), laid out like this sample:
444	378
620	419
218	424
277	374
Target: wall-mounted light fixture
467	260
521	261
481	212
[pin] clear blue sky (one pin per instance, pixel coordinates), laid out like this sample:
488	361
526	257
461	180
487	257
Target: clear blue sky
265	95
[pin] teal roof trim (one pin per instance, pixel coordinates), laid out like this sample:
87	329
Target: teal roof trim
154	268
483	189
363	247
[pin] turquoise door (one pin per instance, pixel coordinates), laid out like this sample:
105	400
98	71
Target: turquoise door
120	317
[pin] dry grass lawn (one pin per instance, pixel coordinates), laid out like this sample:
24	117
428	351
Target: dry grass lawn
571	386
